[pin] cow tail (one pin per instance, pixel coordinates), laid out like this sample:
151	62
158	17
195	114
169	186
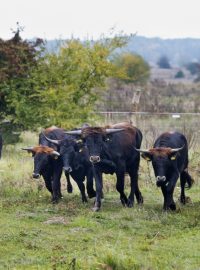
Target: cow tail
189	180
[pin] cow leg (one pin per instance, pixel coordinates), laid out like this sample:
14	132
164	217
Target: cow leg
134	188
81	187
120	187
90	189
185	178
69	185
183	182
56	184
99	188
168	199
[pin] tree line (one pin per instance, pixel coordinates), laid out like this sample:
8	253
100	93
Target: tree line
38	88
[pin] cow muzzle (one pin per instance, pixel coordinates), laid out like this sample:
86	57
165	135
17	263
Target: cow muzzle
36	175
67	169
95	159
160	180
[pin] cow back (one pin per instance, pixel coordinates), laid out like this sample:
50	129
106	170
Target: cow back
124	142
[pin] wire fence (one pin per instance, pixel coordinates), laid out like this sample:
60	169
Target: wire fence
153	124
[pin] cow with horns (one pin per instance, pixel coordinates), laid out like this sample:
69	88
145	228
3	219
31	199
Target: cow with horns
47	162
169	157
75	162
113	150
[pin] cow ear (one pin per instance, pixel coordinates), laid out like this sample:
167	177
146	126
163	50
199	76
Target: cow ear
147	156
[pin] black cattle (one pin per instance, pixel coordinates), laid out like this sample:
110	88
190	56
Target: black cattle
47	162
169	157
1	144
75	162
113	150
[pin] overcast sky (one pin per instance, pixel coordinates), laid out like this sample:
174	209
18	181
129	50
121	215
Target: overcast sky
51	19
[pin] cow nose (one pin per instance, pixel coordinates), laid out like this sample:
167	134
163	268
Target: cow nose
67	169
95	159
160	180
36	175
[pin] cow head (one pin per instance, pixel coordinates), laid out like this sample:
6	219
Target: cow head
41	156
94	139
67	149
163	162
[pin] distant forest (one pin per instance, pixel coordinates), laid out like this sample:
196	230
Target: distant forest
179	51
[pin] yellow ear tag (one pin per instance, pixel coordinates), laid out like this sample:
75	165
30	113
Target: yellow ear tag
80	150
173	157
79	141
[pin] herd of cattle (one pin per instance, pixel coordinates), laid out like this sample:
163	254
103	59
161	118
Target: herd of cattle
89	152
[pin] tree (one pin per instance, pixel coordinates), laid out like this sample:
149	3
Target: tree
60	89
180	74
194	68
163	62
17	60
131	68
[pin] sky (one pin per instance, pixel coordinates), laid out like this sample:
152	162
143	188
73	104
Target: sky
50	19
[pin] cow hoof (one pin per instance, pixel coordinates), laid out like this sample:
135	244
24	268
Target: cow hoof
140	200
182	200
84	200
54	201
130	204
123	203
124	200
95	209
172	207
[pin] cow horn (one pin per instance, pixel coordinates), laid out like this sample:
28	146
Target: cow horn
74	132
57	142
113	130
174	150
30	148
143	151
55	153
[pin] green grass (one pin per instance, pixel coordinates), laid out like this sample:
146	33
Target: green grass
34	234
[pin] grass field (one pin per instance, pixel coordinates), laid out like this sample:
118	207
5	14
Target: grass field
34	234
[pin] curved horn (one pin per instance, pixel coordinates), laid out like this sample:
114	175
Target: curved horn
57	142
174	150
113	130
143	151
55	153
73	132
30	148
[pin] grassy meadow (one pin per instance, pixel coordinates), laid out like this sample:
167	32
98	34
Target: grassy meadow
34	234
